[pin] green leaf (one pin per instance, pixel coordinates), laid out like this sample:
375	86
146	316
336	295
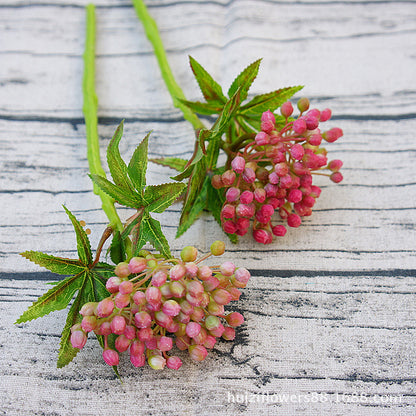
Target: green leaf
120	195
83	243
203	108
210	89
138	164
269	101
196	208
117	248
54	299
172	162
57	265
244	80
151	231
216	200
195	185
118	168
159	197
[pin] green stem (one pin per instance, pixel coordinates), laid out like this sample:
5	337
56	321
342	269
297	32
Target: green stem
174	89
91	120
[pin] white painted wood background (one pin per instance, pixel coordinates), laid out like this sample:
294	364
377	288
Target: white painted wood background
330	309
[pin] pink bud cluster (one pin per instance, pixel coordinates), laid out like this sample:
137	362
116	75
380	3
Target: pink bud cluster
274	173
157	303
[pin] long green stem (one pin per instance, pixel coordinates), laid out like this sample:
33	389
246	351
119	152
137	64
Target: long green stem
174	89
91	120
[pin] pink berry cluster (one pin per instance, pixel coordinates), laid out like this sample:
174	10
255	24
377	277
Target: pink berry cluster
155	303
274	172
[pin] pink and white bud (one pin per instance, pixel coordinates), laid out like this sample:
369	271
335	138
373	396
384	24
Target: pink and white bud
297	151
312	122
286	109
246	197
183	342
262	138
122	270
325	115
88	309
153	295
157	362
249	176
177	272
260	195
159	278
174	363
279	230
335	165
212	322
178	289
78	339
122	343
228	178
162	319
238	164
221	296
104	329
232	194
89	323
228	211
315	139
299	126
137	264
242	275
111	357
139	298
138	360
112	284
210	341
227	268
186	307
144	334
164	343
229	333
204	273
336	177
197	352
137	347
105	307
262	236
217	332
118	325
245	210
142	319
293	220
234	319
171	307
274	178
130	332
198	314
211	284
215	309
268	121
193	329
195	288
121	301
286	181
126	287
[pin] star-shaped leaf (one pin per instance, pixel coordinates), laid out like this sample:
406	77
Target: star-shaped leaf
85	278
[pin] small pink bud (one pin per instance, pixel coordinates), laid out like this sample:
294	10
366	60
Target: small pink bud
286	181
177	289
249	175
111	357
89	323
242	275
295	195
229	227
303	104
142	319
126	287
333	134
293	220
164	343
210	341
137	264
130	332
122	343
309	201
104	329
316	191
267	121
189	253
177	272
197	352
221	297
227	268
193	329
228	211
262	236
171	307
191	269
260	195
211	283
139	298
286	109
88	309
105	308
312	122
335	165
299	126
216	182
325	115
246	197
217	332
245	210
186	307
137	347
118	325
336	177
212	322
122	270
229	333
238	164
279	230
138	360
112	284
159	278
183	342
144	334
195	288
204	272
274	178
174	363
315	139
121	300
198	314
297	151
162	319
228	178
281	169
234	319
78	339
262	138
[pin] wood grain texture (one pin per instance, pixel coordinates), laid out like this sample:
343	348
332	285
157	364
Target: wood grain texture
330	309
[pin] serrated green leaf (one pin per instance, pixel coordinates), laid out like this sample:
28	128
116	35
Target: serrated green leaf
172	162
203	108
54	299
66	351
118	194
83	242
216	200
196	208
118	168
244	80
159	197
117	248
138	165
57	265
269	101
151	231
210	89
195	185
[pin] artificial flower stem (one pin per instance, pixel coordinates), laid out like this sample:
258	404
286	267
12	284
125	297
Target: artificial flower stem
91	120
152	33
